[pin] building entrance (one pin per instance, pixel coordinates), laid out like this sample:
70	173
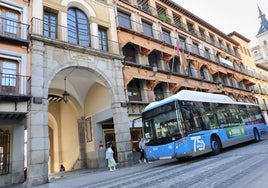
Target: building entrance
109	137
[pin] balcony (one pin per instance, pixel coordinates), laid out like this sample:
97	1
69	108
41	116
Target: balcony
14	87
14	32
59	34
161	15
14	96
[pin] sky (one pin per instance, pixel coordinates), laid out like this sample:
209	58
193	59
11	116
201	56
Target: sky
241	16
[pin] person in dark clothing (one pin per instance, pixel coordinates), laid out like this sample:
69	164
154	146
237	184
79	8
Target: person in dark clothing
142	147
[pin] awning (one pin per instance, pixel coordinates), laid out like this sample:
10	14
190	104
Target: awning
238	77
248	82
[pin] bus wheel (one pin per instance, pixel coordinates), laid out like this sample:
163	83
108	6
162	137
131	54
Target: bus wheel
257	137
215	146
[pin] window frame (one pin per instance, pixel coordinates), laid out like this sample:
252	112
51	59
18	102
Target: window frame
50	24
10	77
103	39
78	27
7	25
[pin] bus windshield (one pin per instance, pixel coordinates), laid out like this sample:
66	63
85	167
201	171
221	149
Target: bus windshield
163	124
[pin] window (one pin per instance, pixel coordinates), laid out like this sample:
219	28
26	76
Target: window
202	33
212	38
160	10
207	53
225	80
130	53
228	47
174	65
215	77
191	71
233	82
124	20
195	49
134	90
265	104
191	29
166	36
177	20
204	73
8	79
153	59
9	20
182	44
103	40
147	29
4	151
159	92
78	27
50	25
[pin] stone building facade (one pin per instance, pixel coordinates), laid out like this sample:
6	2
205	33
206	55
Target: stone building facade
151	31
77	88
89	67
15	85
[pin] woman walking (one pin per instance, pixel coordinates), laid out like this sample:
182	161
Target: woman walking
110	157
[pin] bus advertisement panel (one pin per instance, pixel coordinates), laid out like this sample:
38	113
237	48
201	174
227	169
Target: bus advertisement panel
192	123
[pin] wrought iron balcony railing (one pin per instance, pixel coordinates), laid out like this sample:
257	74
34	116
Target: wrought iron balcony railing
12	29
15	85
65	34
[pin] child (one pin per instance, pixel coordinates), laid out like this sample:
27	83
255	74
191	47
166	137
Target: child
110	157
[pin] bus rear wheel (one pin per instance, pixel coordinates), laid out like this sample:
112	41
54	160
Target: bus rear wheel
215	145
257	137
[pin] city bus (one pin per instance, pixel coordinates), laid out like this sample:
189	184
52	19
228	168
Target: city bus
193	123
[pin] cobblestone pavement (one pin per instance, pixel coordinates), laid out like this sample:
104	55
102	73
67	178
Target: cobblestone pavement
244	166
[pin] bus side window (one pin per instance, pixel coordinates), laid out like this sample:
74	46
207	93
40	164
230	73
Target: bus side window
205	121
212	121
186	114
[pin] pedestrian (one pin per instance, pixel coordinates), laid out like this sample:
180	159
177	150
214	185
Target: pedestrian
62	170
110	157
142	151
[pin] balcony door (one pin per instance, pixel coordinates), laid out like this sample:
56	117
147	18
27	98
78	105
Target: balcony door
8	76
9	22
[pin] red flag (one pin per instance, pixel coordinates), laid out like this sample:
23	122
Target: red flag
178	53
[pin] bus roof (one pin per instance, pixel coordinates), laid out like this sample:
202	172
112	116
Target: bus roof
188	95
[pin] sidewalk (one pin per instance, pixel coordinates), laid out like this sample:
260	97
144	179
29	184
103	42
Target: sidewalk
57	180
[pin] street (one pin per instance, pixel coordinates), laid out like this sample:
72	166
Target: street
240	166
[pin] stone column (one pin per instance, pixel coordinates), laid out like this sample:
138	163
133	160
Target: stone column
82	142
120	118
122	134
38	140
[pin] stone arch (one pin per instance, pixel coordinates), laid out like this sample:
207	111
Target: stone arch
91	68
81	4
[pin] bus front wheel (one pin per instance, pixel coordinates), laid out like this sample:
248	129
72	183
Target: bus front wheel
215	145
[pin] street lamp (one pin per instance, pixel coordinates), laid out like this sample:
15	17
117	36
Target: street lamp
65	94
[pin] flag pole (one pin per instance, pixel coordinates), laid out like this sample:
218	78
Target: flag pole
172	65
